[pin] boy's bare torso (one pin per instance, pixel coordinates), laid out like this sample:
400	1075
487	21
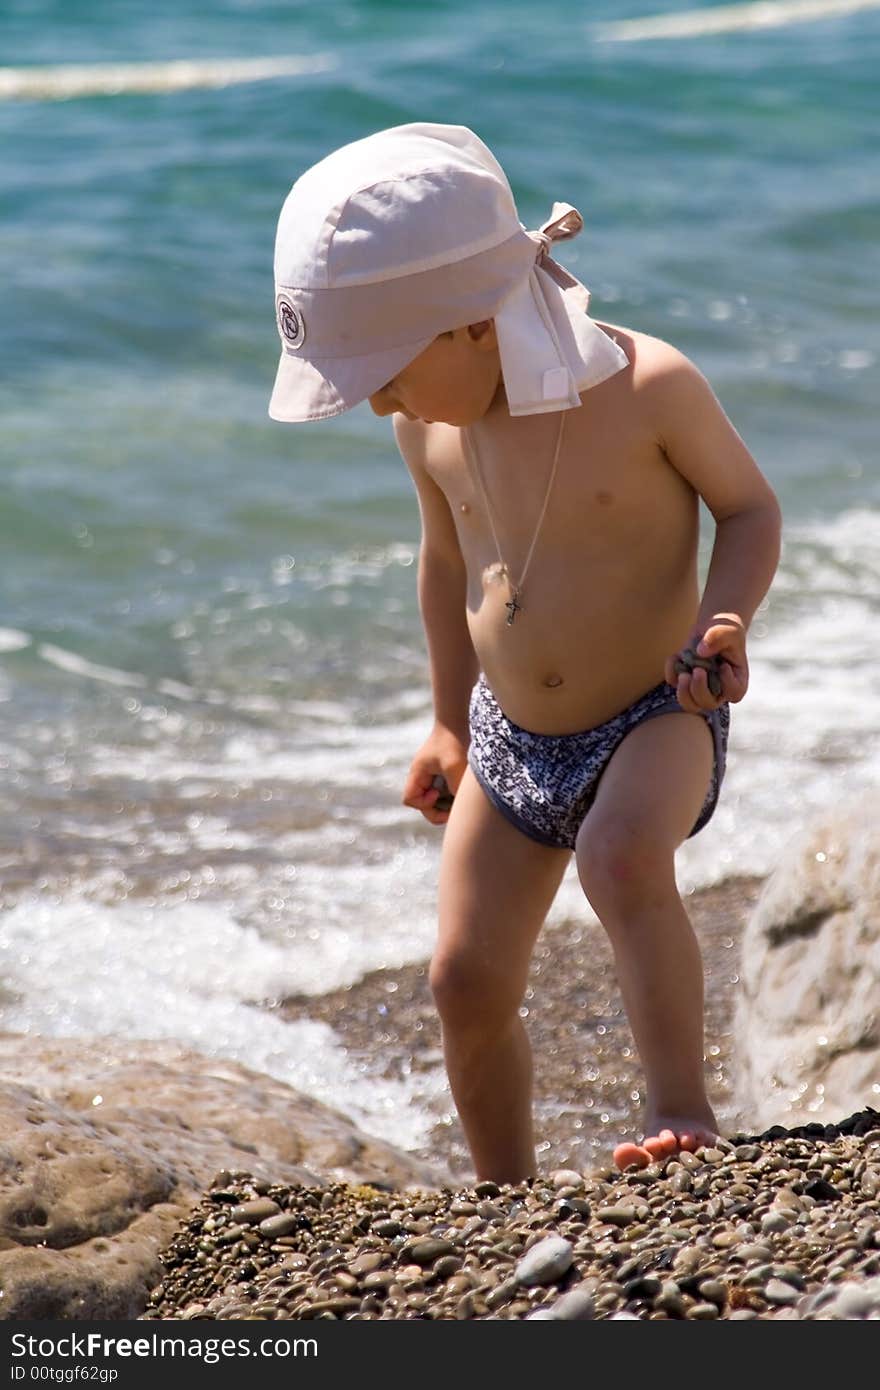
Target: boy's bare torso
611	589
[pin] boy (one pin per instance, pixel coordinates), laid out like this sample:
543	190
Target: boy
581	686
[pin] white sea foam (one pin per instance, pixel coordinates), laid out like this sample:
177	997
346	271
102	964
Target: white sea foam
11	640
807	734
74	968
344	754
729	19
65	81
78	666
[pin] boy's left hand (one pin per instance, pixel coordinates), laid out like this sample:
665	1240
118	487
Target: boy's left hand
726	639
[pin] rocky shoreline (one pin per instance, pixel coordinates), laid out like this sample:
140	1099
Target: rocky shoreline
107	1145
784	1225
141	1180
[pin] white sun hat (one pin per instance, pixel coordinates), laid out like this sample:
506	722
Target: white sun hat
404	235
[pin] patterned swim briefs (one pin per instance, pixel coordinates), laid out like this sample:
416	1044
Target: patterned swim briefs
546	783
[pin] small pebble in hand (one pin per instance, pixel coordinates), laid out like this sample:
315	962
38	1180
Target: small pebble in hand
688	661
445	799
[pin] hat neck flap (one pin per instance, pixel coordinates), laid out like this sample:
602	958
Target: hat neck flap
550	348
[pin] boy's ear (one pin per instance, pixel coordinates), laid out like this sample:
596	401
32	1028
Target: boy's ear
483	334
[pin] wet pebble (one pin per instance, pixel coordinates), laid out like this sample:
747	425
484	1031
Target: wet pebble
258	1210
577	1305
566	1177
617	1216
280	1225
546	1261
773	1222
713	1291
670	1300
701	1312
778	1291
725	1240
855	1301
387	1229
425	1252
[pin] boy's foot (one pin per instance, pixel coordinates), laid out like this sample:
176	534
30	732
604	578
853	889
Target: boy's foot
667	1137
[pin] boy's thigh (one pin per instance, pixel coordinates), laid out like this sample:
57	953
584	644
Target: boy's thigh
655	784
496	884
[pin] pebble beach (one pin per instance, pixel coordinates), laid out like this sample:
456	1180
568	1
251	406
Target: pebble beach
783	1225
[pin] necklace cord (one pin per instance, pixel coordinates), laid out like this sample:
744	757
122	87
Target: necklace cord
550	482
471	449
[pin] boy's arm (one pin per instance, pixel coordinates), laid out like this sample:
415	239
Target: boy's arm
702	444
454	667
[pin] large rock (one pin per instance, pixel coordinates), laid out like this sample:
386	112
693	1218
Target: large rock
106	1145
808	1020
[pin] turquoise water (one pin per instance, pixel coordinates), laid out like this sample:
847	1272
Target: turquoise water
212	675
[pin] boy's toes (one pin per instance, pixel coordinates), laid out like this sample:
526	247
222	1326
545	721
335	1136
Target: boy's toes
662	1145
627	1154
701	1139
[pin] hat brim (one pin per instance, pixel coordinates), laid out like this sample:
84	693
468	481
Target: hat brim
325	387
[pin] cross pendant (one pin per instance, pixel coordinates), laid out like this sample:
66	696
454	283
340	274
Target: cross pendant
513	607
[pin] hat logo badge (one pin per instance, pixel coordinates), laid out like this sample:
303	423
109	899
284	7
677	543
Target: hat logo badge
291	323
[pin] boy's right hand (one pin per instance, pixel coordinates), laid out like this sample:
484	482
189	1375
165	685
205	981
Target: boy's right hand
443	754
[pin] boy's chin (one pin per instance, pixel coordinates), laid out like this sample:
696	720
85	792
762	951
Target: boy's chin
460	419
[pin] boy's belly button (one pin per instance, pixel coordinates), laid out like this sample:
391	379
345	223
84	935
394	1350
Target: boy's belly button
553	680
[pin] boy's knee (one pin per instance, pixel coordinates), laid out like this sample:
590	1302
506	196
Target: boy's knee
469	991
621	860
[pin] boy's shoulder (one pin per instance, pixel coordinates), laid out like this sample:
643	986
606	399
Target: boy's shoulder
651	360
667	388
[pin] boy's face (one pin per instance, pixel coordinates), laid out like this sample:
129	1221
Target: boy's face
455	379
